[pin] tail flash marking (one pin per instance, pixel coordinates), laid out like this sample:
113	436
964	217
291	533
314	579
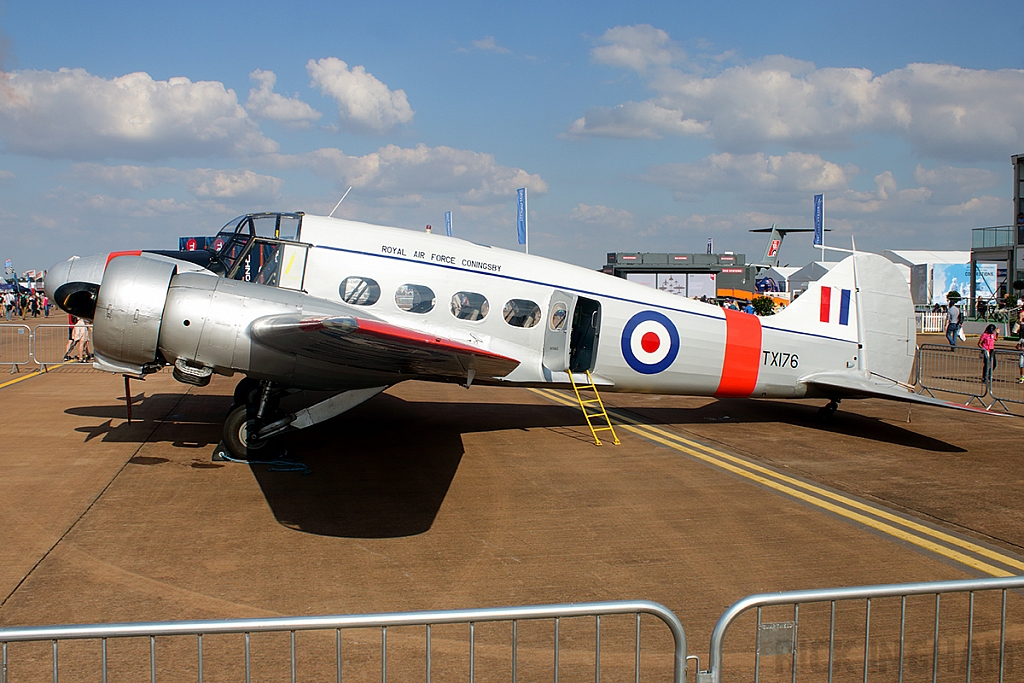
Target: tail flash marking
844	308
825	314
742	354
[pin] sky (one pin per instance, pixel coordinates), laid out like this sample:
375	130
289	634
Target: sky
644	126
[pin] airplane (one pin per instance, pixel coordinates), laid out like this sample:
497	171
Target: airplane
297	302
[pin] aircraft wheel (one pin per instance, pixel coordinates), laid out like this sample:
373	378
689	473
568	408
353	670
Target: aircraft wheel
237	430
246	392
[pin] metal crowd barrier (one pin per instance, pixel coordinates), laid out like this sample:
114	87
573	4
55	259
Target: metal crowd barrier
834	634
242	649
1006	386
954	370
44	345
15	345
51	344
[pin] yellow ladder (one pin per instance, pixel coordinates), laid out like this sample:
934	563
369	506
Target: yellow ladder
590	386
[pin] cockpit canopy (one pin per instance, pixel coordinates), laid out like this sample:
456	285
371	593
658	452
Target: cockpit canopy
252	247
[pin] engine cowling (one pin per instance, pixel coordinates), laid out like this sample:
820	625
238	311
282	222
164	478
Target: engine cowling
129	312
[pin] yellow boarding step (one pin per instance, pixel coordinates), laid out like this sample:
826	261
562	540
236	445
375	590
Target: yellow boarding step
591	416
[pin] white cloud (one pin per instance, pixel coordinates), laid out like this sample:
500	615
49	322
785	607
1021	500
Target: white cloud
264	103
746	173
635	120
941	111
400	172
636	47
71	114
488	43
6	175
365	104
243	184
202	183
601	215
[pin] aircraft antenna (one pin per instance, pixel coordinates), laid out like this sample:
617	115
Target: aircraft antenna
339	202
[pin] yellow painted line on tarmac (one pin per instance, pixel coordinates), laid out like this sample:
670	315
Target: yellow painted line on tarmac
34	373
818	496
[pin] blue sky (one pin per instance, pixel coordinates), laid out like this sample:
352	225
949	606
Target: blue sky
636	126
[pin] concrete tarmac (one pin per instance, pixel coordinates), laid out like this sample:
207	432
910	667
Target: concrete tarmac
431	496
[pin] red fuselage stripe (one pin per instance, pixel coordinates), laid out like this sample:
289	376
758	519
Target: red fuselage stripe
742	354
114	254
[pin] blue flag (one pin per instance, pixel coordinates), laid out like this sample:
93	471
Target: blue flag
448	223
521	214
819	220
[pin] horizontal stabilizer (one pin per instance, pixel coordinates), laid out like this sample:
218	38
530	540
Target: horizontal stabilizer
374	345
841	385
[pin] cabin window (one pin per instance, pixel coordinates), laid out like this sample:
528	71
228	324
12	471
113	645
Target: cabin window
415	298
521	313
359	291
556	321
470	306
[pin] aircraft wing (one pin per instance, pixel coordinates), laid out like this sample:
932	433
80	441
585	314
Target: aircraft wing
374	345
836	385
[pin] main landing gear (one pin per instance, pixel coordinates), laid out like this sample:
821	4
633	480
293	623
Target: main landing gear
256	417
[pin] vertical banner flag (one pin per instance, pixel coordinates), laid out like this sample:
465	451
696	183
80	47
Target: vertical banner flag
711	245
448	223
819	220
521	216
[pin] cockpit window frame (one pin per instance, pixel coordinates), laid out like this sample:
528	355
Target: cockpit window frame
245	223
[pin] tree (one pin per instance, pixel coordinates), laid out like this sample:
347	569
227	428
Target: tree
763	305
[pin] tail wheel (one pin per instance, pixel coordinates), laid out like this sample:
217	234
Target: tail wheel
239	433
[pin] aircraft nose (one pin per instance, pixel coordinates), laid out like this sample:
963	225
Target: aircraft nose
56	276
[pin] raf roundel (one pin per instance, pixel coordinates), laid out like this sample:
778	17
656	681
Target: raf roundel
650	342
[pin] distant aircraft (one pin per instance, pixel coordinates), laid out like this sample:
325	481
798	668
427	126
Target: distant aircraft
294	301
774	245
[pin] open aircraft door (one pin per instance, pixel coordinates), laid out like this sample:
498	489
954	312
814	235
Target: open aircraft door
571	335
556	331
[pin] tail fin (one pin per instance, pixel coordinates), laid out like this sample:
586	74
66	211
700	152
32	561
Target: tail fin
866	299
771	250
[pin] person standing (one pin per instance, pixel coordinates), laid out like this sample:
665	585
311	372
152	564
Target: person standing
987	343
954	320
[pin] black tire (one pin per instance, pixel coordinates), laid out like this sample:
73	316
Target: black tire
246	392
236	434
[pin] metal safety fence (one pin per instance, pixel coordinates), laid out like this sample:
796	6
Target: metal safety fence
513	643
1008	371
53	343
969	630
954	370
964	370
42	345
15	346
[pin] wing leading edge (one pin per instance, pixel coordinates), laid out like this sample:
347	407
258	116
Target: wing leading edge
835	385
378	346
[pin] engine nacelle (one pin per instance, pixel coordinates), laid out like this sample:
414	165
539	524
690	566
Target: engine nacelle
129	311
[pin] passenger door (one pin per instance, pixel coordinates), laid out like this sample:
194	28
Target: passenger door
556	331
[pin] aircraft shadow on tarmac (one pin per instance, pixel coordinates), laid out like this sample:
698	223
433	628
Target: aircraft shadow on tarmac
383	469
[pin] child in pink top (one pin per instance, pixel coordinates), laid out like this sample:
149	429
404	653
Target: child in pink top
987	342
